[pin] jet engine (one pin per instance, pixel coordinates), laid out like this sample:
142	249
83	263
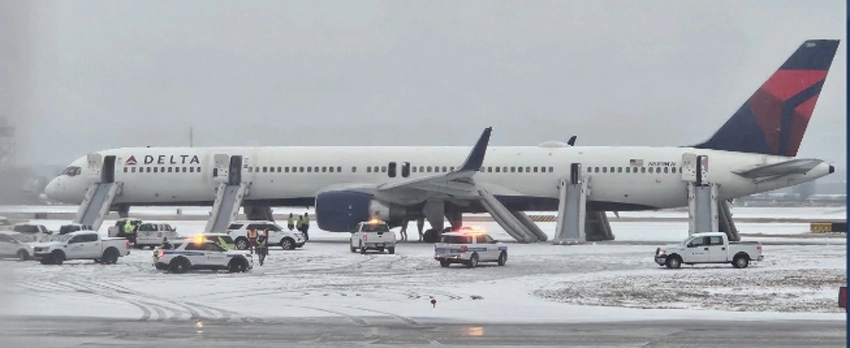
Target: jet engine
341	211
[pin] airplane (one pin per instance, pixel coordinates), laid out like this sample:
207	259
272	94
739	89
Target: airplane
754	151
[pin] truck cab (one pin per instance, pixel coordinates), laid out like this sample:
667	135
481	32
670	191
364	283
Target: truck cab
372	235
709	247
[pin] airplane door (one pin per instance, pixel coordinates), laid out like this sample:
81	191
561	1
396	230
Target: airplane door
235	170
95	163
107	173
220	169
575	173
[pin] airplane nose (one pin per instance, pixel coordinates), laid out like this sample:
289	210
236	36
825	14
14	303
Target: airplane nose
52	189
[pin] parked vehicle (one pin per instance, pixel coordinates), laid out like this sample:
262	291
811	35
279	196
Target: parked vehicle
470	248
81	245
709	247
199	253
33	232
13	244
372	235
286	239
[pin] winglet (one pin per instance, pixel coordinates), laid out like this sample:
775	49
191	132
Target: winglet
476	157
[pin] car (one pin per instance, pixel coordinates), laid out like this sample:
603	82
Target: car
222	239
81	245
709	247
5	224
33	232
151	234
286	239
372	235
13	244
197	253
469	247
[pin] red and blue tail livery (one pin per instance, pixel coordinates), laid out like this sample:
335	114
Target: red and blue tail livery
773	120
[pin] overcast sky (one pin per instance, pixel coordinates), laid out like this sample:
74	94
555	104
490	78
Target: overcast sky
81	76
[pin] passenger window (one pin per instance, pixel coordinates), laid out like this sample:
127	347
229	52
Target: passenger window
665	170
354	169
154	169
324	169
192	169
133	170
184	169
429	169
658	169
604	169
619	169
498	169
383	169
513	169
535	169
643	169
551	169
300	169
195	246
309	169
339	169
445	170
368	169
234	226
596	169
528	169
628	169
520	169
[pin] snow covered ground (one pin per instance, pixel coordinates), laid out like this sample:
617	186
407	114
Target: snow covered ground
542	283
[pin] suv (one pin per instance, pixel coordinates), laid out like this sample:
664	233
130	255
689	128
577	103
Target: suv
470	248
287	239
375	235
151	234
199	253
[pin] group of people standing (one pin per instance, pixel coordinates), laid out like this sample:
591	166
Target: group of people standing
302	224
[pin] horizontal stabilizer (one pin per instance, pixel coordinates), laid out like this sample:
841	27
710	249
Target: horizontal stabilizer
795	166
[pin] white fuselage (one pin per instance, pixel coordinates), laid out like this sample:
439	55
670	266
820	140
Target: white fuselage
182	175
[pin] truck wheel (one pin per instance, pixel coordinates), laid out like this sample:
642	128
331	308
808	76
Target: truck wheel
237	265
503	258
444	263
391	250
287	244
473	261
23	255
353	249
179	265
674	262
57	257
241	243
110	256
741	261
362	249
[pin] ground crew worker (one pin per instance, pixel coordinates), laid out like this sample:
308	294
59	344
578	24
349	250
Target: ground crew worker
252	239
299	225
263	247
306	227
128	231
289	223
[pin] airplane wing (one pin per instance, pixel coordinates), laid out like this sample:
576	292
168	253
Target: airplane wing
795	166
456	183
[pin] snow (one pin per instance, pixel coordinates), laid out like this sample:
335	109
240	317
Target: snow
541	283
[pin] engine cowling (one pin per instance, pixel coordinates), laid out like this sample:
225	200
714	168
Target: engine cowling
341	211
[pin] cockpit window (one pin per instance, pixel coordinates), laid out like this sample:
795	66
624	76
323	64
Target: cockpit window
72	171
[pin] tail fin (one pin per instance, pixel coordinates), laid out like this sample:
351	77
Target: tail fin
775	117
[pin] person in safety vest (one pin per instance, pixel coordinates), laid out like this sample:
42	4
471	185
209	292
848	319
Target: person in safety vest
252	239
306	227
128	231
263	247
289	223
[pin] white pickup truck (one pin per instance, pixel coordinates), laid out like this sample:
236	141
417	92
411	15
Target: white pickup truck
81	245
709	247
374	235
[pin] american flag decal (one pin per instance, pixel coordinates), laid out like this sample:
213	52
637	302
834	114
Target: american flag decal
636	162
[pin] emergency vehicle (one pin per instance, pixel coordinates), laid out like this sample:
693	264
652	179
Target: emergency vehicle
198	252
469	247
